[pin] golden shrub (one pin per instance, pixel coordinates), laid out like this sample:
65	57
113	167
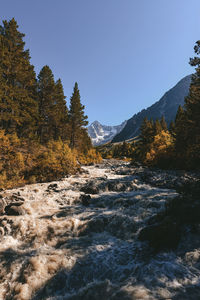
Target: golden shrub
92	156
23	161
160	147
55	161
11	161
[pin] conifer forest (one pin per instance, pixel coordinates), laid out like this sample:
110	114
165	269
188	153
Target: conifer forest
41	138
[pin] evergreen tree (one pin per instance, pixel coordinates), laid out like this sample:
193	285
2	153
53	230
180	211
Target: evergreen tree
172	129
18	105
31	108
84	143
61	128
163	123
46	95
77	119
183	144
180	130
125	149
188	119
157	127
146	132
192	103
116	151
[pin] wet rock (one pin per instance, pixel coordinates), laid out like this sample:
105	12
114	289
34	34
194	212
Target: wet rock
165	235
104	185
85	199
83	171
14	209
123	202
7	200
17	197
121	186
167	227
52	187
124	171
90	188
96	225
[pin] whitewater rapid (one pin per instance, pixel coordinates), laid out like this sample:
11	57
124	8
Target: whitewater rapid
77	239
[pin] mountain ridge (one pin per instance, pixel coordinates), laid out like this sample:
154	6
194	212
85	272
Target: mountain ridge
167	106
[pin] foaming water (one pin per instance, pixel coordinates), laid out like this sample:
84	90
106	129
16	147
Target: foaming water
58	247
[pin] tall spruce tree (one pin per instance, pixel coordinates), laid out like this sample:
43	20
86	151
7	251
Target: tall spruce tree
180	131
192	105
147	133
157	127
61	127
172	129
77	120
46	95
163	123
18	105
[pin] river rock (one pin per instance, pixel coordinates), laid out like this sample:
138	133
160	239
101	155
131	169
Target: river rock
15	209
85	199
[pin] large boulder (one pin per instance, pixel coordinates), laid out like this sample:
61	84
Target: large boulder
163	236
15	209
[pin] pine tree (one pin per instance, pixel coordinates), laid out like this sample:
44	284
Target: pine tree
46	95
18	105
188	119
146	132
77	119
84	143
189	135
125	149
163	123
157	127
172	129
179	128
192	103
61	127
146	136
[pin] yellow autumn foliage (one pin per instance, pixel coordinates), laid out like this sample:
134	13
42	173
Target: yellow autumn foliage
24	162
92	156
54	162
11	161
159	148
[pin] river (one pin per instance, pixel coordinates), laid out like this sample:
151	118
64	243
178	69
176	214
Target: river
77	238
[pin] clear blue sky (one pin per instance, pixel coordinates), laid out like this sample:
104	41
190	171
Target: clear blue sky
124	54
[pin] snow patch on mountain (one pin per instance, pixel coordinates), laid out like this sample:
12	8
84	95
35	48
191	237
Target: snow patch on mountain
101	134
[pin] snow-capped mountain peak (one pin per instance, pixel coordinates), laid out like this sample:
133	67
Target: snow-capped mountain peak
101	134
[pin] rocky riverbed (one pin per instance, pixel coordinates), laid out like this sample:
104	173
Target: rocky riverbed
78	238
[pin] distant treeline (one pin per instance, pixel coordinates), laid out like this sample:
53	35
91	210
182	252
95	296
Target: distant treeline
40	137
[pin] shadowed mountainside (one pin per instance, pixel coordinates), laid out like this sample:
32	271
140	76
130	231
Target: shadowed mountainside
167	106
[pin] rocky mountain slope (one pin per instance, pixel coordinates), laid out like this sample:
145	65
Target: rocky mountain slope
77	238
166	106
101	134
